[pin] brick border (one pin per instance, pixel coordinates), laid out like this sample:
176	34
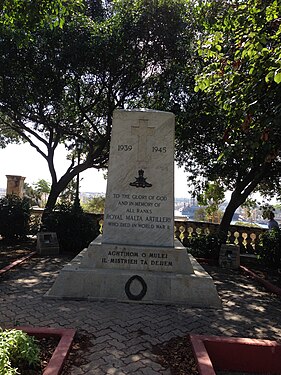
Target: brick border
16	262
270	287
235	354
267	285
62	350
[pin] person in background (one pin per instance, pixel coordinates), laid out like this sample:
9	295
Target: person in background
272	223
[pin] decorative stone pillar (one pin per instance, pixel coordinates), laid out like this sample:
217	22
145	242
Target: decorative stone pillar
15	185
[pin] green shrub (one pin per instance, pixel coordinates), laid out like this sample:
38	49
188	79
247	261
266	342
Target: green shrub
16	349
269	248
203	246
14	217
75	229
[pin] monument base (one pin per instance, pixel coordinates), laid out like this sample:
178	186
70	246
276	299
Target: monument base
136	274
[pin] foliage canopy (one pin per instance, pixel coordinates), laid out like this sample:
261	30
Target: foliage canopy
237	136
63	84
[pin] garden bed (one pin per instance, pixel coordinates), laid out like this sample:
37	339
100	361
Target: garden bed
57	340
236	355
215	355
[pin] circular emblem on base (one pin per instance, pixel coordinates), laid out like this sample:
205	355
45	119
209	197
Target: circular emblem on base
142	293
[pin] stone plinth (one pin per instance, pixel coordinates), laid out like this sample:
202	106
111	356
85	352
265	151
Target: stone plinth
136	274
229	256
47	243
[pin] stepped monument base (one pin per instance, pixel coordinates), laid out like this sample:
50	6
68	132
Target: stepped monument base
136	274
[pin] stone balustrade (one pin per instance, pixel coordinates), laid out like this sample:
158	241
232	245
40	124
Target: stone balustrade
246	237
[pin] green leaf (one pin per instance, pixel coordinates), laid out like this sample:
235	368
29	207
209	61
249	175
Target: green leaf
221	156
269	76
277	77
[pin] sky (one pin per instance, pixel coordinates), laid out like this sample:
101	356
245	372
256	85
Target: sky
23	160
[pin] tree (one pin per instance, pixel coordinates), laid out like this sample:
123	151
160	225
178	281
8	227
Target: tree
63	85
237	136
25	16
249	207
42	188
68	195
94	205
211	198
200	214
31	194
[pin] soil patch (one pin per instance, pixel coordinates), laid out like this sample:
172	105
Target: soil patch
177	355
78	355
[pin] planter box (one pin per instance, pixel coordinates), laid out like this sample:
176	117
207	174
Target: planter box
62	350
236	354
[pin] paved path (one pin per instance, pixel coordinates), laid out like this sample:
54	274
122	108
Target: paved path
122	334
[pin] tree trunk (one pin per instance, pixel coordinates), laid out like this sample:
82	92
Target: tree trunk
58	186
235	201
243	189
52	199
226	219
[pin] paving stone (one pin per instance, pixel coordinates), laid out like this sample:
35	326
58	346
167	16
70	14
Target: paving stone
99	347
96	355
101	332
149	371
122	335
101	339
96	371
131	368
93	365
117	336
77	371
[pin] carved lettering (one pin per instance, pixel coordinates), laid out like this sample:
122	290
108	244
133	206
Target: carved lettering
134	217
114	217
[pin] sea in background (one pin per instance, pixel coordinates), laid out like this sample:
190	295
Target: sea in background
180	215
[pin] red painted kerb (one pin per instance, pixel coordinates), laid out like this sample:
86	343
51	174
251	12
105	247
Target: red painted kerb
270	287
62	350
236	354
16	262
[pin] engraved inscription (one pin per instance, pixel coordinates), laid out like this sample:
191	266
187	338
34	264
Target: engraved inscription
151	259
140	211
159	149
124	147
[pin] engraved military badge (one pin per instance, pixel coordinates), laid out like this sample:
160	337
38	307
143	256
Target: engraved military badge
140	180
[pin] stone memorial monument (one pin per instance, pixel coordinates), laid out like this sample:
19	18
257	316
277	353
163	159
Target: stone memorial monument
137	257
